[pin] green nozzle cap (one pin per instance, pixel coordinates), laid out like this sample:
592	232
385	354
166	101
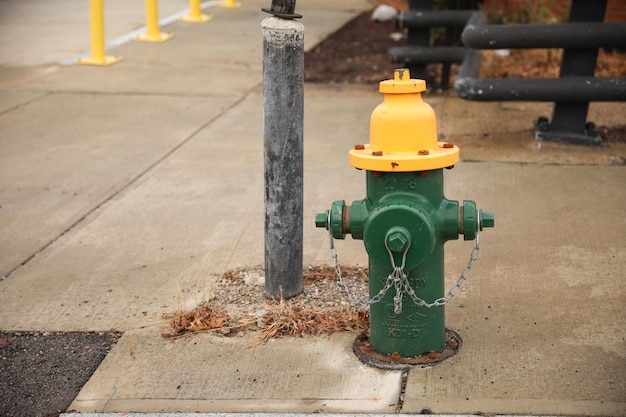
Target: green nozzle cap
321	219
486	219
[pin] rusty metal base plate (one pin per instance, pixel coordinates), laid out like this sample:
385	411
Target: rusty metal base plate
363	350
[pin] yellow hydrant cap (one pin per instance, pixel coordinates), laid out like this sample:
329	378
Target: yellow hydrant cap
403	131
402	83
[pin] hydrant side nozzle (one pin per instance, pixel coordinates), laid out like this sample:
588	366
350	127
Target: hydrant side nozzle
333	219
472	220
468	220
356	217
336	219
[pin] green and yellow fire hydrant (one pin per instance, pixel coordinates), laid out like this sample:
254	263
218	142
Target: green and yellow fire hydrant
404	222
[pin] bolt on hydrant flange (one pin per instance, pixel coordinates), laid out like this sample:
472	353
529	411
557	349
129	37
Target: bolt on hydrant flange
404	222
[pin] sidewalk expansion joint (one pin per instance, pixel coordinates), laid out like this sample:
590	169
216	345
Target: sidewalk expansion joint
118	190
404	377
44	94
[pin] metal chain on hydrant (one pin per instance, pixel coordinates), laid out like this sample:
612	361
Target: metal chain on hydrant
399	280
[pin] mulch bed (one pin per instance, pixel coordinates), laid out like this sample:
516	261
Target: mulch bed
356	53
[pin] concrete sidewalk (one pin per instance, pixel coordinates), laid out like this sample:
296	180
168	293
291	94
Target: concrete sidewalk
124	188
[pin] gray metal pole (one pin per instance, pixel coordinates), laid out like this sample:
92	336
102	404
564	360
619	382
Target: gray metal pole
283	109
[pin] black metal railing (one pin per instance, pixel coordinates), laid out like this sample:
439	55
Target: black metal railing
576	86
420	21
580	38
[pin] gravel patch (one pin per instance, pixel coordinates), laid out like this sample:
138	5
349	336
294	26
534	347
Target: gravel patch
322	288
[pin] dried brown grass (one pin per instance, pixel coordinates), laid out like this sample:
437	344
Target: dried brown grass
283	319
204	318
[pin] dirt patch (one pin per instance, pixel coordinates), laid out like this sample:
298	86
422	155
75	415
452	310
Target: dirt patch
238	305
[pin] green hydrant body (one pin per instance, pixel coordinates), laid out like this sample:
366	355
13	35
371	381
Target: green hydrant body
404	221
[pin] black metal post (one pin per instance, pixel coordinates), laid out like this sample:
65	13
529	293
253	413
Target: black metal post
420	37
283	110
567	116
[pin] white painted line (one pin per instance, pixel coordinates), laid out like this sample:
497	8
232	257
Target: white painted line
132	35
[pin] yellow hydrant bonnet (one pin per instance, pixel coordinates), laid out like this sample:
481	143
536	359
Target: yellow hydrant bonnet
403	131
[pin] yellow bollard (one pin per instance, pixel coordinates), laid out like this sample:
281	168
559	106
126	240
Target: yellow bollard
195	14
152	22
96	23
230	3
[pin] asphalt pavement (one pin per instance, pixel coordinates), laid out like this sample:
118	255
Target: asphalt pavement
127	188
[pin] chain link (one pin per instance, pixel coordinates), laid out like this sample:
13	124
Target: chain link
399	280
